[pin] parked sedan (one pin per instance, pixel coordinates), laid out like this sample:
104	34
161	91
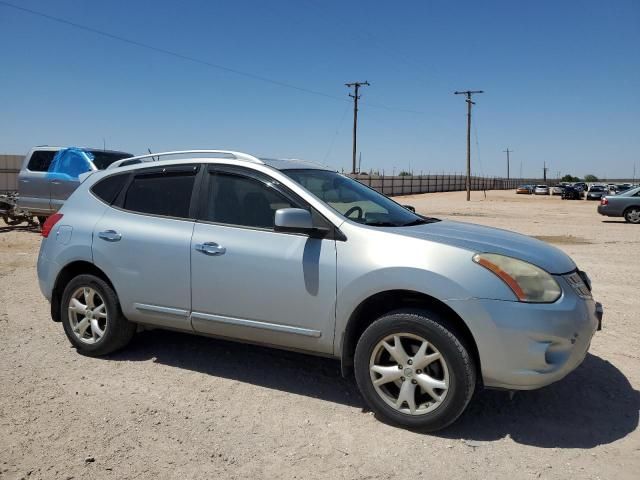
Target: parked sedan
625	204
525	189
596	192
541	190
557	190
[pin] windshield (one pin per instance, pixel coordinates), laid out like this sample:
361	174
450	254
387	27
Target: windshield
102	159
354	200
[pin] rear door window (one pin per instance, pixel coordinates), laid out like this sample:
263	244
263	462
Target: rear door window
41	160
166	192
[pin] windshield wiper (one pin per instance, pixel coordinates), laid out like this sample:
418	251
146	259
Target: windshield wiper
417	221
381	224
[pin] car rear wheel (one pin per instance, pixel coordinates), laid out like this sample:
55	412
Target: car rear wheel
414	371
92	318
632	215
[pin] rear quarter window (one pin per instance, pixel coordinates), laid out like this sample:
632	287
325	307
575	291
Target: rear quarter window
108	188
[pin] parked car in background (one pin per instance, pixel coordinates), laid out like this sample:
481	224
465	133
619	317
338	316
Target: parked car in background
524	189
596	192
44	186
572	193
625	204
541	190
623	187
296	256
557	190
582	186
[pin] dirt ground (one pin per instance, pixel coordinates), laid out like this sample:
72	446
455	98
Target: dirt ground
178	406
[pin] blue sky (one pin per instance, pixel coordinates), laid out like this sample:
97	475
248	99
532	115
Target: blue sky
562	80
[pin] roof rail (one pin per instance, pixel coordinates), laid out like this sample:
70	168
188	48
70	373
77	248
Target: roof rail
150	157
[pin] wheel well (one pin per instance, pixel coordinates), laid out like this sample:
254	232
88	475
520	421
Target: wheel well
629	208
65	276
382	303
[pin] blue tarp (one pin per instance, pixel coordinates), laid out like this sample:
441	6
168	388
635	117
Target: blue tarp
69	163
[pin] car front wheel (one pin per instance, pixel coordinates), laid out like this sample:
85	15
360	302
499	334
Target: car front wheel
92	318
414	371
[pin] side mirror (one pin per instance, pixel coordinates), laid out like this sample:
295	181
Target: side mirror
410	207
294	220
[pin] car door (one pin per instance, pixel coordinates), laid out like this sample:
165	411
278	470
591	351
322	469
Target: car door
142	243
33	182
250	282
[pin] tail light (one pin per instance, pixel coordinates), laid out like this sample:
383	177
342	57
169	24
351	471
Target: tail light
604	201
50	223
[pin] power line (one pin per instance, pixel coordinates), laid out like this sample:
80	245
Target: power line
169	52
356	87
192	59
337	132
478	156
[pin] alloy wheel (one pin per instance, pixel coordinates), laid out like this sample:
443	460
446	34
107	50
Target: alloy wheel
88	315
409	373
633	215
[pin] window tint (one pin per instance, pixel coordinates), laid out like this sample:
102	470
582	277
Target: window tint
40	161
238	200
161	193
108	189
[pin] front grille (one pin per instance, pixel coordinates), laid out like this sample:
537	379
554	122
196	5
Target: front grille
580	283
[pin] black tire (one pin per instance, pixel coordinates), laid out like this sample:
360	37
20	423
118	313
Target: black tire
433	328
632	215
118	330
41	220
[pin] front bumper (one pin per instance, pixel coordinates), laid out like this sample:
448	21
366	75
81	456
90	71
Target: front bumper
527	346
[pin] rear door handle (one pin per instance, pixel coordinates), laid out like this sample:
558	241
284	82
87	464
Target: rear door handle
110	236
210	248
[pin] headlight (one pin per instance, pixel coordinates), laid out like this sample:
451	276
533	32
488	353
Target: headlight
528	282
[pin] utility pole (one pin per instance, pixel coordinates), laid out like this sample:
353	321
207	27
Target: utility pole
507	151
468	94
544	172
356	86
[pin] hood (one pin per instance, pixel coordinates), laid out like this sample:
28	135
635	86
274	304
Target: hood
478	238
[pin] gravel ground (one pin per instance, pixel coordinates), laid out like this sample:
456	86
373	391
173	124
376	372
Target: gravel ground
178	406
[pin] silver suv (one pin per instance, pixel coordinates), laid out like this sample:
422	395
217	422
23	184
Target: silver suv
294	256
41	191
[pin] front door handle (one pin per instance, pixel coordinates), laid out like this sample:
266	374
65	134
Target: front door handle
110	236
210	248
